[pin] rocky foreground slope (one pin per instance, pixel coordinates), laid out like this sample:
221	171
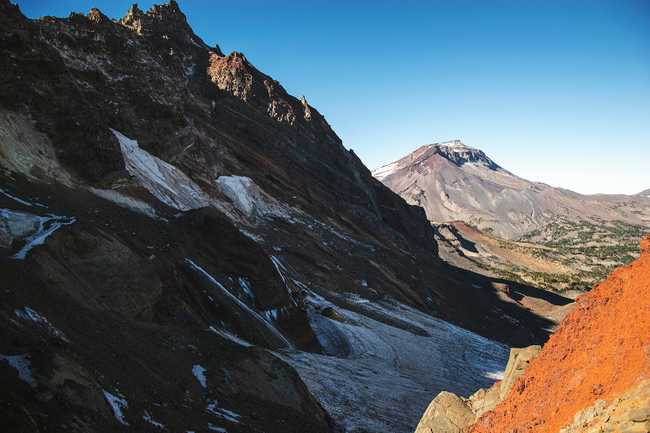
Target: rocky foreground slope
183	245
593	375
456	182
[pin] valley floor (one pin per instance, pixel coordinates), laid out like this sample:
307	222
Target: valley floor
566	256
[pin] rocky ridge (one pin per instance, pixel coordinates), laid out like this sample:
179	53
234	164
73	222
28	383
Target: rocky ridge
171	212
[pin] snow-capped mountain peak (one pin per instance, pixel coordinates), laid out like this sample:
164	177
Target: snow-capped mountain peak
460	154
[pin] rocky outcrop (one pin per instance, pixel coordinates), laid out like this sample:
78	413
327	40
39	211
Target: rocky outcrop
592	374
449	413
517	365
628	413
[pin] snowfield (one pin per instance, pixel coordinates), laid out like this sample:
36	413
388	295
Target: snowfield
249	198
166	182
381	373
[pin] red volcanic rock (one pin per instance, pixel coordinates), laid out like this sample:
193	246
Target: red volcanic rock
645	244
601	350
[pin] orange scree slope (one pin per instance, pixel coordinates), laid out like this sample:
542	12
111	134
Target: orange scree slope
601	349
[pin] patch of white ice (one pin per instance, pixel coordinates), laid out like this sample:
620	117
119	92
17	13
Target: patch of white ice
33	229
390	359
251	236
199	372
226	414
271	314
148	418
118	404
236	302
229	336
166	182
31	315
125	201
20	200
245	285
279	268
249	198
22	365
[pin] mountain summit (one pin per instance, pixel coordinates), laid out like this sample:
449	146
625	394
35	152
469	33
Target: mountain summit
455	151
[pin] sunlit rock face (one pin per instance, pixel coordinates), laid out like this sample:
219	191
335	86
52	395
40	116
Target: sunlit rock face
592	374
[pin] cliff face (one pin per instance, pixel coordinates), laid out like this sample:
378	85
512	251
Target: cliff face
95	103
151	78
595	368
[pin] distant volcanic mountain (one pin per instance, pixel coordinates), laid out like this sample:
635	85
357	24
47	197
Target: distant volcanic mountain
453	181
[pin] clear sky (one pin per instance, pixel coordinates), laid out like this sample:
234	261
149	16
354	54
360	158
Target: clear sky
554	91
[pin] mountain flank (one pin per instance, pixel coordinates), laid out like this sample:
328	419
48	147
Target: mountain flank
185	246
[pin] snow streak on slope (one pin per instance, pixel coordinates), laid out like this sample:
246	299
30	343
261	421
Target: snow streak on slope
32	229
22	365
234	303
386	369
118	404
166	182
249	198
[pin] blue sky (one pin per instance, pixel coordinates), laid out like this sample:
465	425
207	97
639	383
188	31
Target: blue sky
554	91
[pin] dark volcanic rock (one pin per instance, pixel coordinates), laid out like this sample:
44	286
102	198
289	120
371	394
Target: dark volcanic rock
184	207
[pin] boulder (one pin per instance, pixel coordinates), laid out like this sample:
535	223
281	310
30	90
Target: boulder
447	413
